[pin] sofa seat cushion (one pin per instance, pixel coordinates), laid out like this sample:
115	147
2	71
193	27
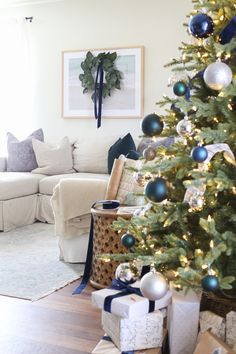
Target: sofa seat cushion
18	184
47	184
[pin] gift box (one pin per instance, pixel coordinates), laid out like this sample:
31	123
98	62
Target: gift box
212	322
106	346
134	334
129	306
208	343
182	322
231	329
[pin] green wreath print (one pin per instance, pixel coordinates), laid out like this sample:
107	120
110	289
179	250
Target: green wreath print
89	66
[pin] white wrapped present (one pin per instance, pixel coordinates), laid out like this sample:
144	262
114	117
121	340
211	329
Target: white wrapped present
212	322
231	329
129	306
182	322
134	334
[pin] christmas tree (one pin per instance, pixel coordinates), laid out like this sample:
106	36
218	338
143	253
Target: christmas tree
188	228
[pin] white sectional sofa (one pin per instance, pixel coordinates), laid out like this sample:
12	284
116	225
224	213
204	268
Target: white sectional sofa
25	197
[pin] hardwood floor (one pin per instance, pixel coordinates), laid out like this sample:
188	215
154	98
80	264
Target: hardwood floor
60	323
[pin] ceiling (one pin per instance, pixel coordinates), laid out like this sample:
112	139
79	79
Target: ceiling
13	3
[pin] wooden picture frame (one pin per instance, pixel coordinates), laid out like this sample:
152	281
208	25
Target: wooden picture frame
124	103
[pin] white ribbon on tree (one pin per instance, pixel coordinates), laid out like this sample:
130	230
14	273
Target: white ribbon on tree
215	148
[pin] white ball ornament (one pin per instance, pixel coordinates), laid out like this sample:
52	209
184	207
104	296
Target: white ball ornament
153	285
218	75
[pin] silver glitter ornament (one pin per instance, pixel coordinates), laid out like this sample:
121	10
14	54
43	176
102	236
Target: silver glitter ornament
149	153
127	272
218	75
196	202
153	285
184	128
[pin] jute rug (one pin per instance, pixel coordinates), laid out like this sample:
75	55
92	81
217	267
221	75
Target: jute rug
29	263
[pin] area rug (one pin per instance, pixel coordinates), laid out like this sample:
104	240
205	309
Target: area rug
29	263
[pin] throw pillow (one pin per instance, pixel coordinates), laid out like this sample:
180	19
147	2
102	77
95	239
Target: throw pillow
53	160
90	155
128	186
121	147
21	156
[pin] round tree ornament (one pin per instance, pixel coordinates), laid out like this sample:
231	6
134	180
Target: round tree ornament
218	76
128	240
156	190
149	153
201	26
199	154
184	128
153	285
127	273
180	88
152	125
210	283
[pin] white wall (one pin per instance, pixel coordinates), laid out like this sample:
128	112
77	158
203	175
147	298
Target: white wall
82	24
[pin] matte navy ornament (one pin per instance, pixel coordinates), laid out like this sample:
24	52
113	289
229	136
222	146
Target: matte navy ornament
180	88
156	190
128	240
152	125
210	283
199	154
201	26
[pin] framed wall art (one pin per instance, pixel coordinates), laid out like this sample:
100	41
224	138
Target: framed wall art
126	102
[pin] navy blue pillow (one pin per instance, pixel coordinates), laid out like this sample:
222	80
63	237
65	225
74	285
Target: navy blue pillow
133	155
121	147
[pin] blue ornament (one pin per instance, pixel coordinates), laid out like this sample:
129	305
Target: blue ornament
201	26
210	283
180	88
152	125
128	240
156	190
199	154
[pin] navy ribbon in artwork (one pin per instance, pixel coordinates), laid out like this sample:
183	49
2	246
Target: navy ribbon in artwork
125	289
98	90
228	32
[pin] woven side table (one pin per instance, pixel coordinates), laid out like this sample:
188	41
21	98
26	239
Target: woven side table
105	240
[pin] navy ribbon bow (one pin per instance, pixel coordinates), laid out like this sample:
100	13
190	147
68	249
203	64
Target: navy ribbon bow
199	74
125	289
228	32
98	89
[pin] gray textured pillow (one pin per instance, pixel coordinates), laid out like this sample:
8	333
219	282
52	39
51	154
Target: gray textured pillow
145	142
21	156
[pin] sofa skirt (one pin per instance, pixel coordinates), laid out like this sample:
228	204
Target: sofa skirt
18	212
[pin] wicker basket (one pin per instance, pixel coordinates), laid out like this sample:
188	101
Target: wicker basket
218	304
105	240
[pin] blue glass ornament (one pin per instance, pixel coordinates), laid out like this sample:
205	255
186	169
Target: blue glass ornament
156	190
180	88
201	26
152	125
128	240
199	154
210	283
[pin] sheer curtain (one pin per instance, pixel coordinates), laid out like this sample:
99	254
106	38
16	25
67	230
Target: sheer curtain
16	80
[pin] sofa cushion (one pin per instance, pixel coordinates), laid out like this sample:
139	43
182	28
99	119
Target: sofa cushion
120	147
18	184
21	157
90	155
53	160
47	184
